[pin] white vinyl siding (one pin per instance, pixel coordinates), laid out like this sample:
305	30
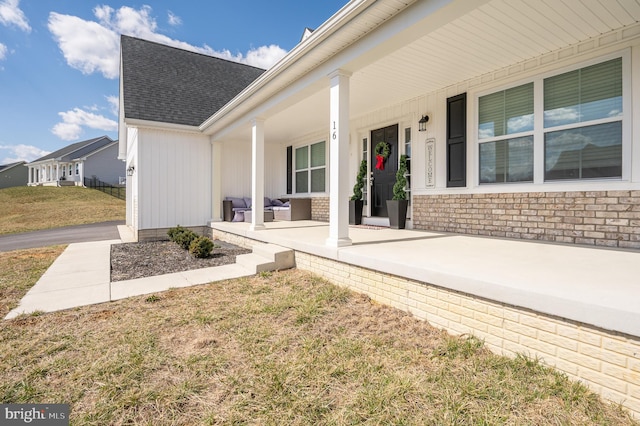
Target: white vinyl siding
174	178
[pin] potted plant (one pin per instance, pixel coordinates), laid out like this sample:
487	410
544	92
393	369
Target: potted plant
397	207
356	202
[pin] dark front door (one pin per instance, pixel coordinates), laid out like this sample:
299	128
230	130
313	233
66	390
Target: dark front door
383	180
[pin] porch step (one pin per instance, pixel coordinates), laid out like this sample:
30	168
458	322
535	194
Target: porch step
267	257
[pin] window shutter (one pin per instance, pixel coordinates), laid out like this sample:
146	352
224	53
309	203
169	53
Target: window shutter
290	170
457	141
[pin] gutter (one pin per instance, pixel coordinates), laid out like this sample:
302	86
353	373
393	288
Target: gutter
329	27
136	122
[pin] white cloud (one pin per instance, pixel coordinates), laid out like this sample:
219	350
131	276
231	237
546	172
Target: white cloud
264	56
3	51
174	20
91	46
21	152
11	14
114	104
87	46
75	120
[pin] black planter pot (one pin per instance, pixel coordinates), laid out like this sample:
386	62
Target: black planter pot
397	210
355	212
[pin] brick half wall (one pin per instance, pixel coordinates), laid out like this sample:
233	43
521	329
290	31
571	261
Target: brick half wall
320	209
596	218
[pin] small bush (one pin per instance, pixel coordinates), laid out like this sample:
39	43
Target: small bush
174	232
201	247
185	239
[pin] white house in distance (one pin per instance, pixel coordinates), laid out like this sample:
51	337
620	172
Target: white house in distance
93	158
532	131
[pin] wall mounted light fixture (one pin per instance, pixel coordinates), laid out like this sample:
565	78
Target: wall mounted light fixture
422	124
130	171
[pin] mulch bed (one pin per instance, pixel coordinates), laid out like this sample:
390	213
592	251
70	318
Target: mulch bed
138	260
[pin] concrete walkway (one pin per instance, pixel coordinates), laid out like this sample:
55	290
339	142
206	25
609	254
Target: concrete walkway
81	276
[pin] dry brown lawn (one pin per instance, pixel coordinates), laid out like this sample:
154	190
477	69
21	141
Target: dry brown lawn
20	270
30	208
284	348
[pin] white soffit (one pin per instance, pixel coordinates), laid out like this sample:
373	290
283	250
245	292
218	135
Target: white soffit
495	35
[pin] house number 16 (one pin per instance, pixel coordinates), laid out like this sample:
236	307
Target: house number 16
334	135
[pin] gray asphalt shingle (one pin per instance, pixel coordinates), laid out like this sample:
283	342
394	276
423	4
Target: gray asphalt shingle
171	85
78	149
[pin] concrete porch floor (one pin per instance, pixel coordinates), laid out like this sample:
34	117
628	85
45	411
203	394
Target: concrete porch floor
595	286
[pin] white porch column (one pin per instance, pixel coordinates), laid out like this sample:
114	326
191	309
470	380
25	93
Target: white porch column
257	174
82	173
339	160
216	181
30	176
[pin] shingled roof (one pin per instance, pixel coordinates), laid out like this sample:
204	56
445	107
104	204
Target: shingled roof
6	167
171	85
77	150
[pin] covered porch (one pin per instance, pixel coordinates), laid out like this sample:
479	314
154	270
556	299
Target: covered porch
380	65
576	308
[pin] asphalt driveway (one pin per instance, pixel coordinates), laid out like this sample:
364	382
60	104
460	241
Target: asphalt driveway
66	235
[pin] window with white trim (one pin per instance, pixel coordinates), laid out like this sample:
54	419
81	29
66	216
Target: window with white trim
310	168
583	123
505	132
581	127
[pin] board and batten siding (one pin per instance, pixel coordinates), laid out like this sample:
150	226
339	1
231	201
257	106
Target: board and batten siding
236	169
174	179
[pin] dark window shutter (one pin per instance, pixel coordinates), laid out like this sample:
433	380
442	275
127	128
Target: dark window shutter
289	170
457	141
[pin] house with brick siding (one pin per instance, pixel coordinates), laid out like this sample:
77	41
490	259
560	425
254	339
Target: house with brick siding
519	120
531	131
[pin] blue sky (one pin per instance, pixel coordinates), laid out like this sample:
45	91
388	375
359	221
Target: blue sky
59	60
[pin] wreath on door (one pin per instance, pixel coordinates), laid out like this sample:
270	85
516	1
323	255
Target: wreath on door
382	151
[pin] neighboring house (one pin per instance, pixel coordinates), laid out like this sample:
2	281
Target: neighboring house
14	174
530	132
92	159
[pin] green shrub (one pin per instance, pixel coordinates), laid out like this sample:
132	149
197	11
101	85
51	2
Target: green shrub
401	181
201	247
360	180
185	238
174	232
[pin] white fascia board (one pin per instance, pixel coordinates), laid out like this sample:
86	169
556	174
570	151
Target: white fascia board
382	38
148	124
48	160
337	21
122	130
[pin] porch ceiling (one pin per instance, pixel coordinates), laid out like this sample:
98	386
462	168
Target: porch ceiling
425	56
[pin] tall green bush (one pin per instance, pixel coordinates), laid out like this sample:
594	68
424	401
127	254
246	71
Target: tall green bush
401	181
360	179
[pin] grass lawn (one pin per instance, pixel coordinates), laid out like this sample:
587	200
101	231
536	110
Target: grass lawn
284	348
29	208
20	270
